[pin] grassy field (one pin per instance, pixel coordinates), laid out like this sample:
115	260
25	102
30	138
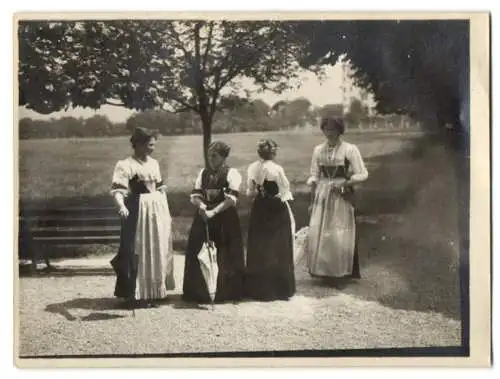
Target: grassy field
77	172
57	169
408	206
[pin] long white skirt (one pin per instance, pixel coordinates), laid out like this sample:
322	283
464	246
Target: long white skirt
153	246
331	237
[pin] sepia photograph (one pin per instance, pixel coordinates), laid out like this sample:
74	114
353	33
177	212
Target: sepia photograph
251	185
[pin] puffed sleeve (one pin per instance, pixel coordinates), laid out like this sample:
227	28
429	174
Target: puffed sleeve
160	184
360	173
284	186
314	170
251	184
197	189
234	180
120	180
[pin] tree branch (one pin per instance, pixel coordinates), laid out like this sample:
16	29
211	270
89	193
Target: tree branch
197	71
186	105
173	34
107	102
209	45
247	61
215	94
238	69
183	109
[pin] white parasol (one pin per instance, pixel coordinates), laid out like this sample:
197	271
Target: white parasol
208	264
300	245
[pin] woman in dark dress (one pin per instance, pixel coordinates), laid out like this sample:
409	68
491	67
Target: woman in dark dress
215	195
270	269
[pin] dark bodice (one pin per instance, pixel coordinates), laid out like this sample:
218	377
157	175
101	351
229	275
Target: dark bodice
137	186
331	172
214	186
268	188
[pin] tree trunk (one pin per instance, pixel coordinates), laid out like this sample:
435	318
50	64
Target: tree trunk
206	123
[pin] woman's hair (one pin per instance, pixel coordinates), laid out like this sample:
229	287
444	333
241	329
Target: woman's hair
336	122
142	135
266	149
222	148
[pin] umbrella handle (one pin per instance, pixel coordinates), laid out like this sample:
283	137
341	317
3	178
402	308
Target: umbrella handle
206	233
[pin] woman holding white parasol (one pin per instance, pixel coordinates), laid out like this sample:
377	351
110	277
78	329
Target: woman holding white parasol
215	195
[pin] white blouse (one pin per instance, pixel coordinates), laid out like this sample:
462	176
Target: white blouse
126	169
324	155
261	170
234	180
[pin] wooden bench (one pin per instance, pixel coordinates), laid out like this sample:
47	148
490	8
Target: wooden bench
74	226
67	226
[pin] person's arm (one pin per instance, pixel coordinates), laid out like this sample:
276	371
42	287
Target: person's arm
251	185
197	193
360	173
160	184
284	185
231	196
227	203
120	188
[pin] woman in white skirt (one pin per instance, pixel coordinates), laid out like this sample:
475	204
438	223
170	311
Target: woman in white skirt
144	263
335	168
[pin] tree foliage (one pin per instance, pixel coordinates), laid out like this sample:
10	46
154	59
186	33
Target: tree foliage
146	64
414	67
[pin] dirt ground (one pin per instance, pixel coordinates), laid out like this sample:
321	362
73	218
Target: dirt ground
75	315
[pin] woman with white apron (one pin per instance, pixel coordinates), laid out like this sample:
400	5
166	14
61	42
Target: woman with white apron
335	168
144	263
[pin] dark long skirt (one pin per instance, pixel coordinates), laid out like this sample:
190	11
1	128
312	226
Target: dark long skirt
225	232
270	269
125	262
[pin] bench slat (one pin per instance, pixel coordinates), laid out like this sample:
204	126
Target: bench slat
84	212
83	228
76	222
78	240
73	233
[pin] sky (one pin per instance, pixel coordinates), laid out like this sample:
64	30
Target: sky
319	94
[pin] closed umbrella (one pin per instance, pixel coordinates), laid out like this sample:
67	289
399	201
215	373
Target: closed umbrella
300	245
208	264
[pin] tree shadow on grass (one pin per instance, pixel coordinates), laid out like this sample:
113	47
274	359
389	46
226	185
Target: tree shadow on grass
411	262
398	273
99	305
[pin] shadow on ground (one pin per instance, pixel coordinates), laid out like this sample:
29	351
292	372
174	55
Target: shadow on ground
97	306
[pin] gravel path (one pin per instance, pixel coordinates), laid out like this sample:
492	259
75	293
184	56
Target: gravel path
68	315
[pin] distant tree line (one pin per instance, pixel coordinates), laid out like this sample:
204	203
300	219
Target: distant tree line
235	115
